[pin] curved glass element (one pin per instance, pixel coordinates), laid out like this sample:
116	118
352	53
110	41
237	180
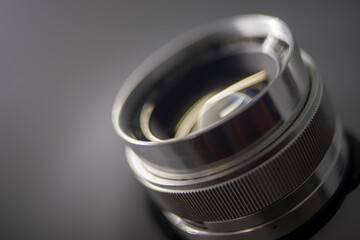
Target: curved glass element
205	95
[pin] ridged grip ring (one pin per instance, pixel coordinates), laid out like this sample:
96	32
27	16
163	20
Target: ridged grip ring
261	186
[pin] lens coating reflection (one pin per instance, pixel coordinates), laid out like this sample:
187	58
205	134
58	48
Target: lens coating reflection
213	108
204	96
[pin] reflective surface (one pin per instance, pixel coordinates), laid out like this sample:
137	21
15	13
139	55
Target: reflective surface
203	97
296	144
185	69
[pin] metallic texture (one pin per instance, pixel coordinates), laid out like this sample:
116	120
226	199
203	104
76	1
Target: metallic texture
258	175
283	216
261	186
245	134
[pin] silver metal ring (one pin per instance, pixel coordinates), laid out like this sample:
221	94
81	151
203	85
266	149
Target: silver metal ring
257	173
283	216
279	103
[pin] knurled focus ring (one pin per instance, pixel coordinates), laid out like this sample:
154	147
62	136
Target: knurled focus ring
261	186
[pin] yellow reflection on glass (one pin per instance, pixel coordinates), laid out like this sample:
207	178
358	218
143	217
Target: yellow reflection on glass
225	102
207	110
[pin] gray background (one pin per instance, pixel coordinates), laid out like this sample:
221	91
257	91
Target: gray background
62	170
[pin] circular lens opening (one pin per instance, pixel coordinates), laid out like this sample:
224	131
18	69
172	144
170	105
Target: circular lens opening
204	95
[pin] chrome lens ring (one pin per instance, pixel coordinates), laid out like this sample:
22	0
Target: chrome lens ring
288	213
235	138
276	161
243	189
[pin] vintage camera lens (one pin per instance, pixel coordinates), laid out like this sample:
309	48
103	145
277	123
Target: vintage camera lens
230	129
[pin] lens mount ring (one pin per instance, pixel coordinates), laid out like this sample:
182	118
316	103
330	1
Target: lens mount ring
259	173
286	215
247	189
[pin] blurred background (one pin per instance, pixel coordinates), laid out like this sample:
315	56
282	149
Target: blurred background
62	169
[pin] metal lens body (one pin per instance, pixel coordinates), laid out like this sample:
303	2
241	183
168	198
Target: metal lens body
230	129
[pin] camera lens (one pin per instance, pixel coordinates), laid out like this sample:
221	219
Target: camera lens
230	129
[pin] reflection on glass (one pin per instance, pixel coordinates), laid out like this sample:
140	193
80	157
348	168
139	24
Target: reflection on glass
210	109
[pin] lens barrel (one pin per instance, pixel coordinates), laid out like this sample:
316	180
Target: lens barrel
261	171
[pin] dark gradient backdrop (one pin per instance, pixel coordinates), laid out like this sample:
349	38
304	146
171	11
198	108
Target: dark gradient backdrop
62	170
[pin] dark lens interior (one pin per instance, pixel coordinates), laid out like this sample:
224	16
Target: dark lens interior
172	98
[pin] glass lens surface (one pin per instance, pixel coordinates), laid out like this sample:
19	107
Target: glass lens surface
205	95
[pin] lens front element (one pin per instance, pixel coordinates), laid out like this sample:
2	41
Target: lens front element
230	129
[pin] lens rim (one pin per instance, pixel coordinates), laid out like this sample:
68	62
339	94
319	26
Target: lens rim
294	209
181	44
190	154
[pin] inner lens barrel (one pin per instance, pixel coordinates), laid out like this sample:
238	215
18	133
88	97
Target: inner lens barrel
207	94
230	129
